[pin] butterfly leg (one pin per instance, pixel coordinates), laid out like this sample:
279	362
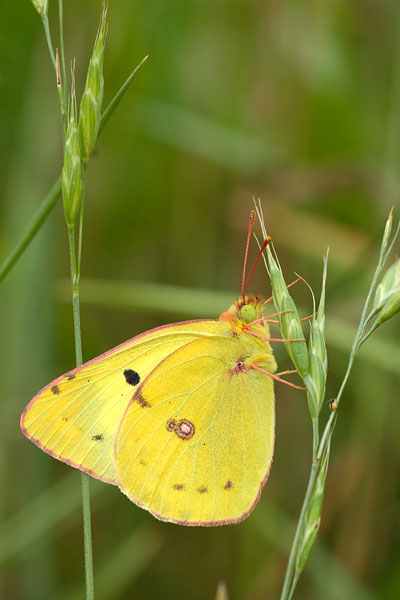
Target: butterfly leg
268	318
268	339
297	387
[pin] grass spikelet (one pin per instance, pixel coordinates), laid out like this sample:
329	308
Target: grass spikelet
72	169
387	296
289	320
315	381
92	98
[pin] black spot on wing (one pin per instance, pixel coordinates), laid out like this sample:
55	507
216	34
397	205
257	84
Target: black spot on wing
132	377
55	389
98	437
71	376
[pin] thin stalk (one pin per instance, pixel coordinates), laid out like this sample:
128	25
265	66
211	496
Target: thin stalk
75	295
295	580
291	576
63	97
87	529
315	426
87	535
287	584
329	427
366	336
84	179
46	27
62	52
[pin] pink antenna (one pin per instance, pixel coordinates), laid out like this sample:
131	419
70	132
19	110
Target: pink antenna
251	225
264	245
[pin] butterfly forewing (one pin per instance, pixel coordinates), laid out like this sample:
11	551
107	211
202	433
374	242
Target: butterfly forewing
196	442
76	417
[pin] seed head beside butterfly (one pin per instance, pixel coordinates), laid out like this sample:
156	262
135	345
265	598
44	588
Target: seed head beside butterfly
181	417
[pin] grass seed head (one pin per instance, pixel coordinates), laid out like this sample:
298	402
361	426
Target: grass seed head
290	323
387	296
316	380
387	231
92	97
292	330
71	177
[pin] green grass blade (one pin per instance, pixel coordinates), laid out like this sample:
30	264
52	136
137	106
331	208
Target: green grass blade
119	95
31	229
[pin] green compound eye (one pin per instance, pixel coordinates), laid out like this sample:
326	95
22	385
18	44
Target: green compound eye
249	313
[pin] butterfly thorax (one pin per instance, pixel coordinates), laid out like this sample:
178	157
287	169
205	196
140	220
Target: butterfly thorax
248	326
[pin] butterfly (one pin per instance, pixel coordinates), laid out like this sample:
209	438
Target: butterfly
181	417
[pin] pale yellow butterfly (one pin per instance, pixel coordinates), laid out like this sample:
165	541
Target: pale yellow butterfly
181	417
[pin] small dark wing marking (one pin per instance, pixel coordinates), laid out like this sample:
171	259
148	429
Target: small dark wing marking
132	377
142	401
178	486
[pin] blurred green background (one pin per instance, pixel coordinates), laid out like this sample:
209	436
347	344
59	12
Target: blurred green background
297	103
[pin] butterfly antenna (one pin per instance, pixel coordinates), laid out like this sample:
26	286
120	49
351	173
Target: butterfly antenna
263	246
251	225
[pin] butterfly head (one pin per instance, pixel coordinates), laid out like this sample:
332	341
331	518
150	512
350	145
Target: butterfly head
243	312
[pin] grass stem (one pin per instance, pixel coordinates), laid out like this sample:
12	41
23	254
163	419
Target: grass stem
290	581
63	97
87	529
87	535
46	27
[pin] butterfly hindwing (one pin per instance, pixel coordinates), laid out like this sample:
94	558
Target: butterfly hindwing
76	417
196	442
